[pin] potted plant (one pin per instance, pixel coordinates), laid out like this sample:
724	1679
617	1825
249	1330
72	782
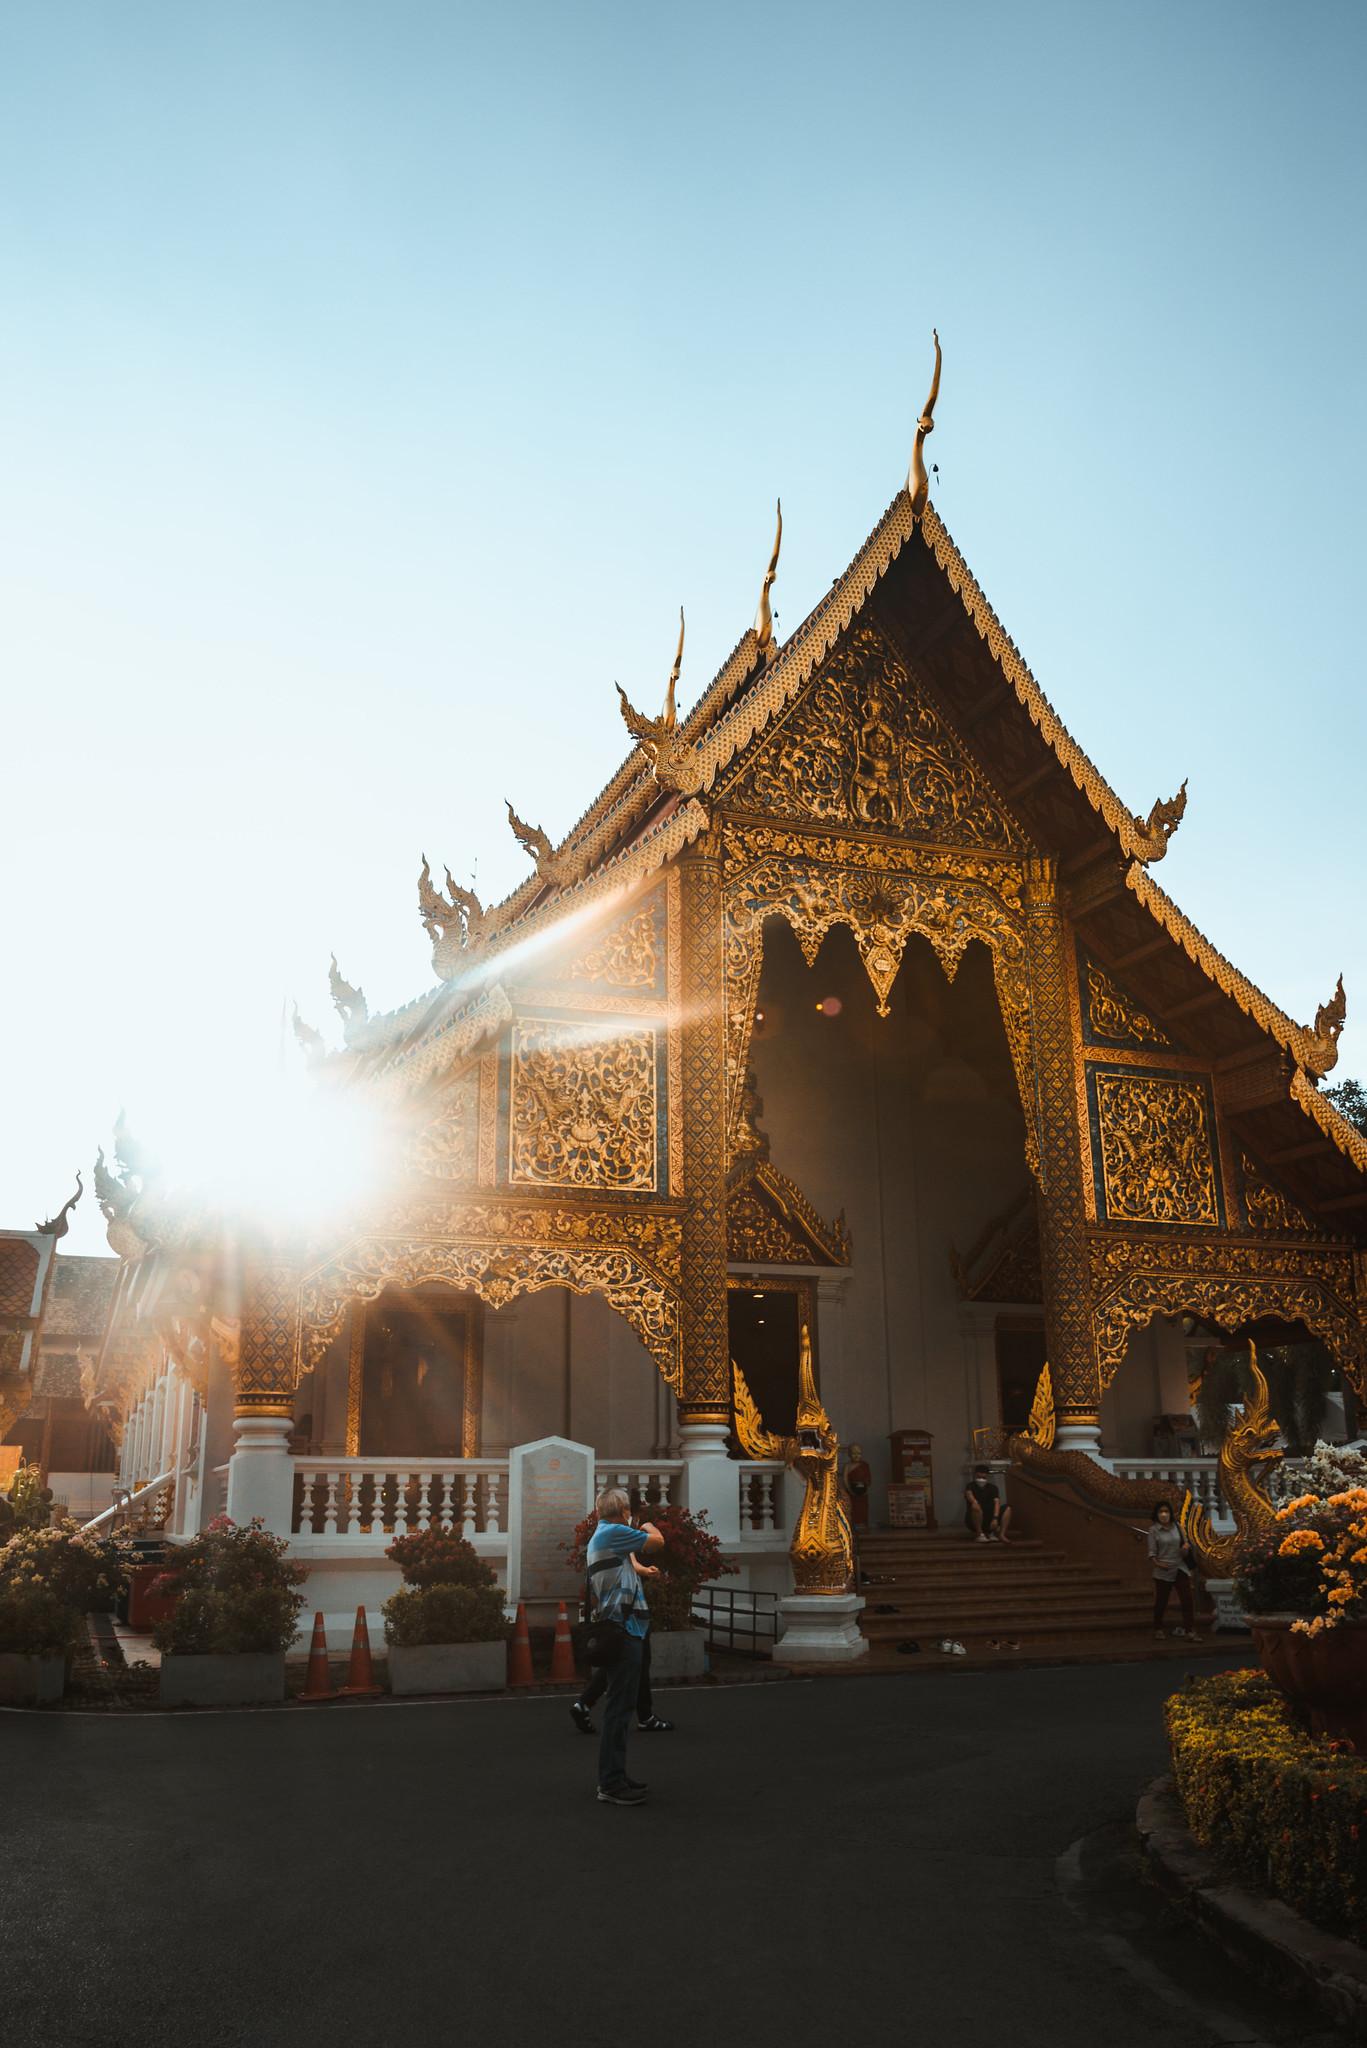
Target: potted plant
692	1557
49	1578
1303	1584
236	1613
445	1627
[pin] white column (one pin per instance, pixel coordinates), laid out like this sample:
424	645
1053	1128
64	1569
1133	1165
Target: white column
261	1472
711	1479
1079	1436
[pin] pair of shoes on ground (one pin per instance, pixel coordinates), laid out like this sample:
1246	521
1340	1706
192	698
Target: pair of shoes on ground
583	1721
1002	1643
628	1793
950	1648
910	1648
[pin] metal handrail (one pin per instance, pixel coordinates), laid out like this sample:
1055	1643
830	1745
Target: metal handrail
130	1499
756	1623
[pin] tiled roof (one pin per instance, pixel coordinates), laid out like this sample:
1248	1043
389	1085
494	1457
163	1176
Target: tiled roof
18	1275
78	1303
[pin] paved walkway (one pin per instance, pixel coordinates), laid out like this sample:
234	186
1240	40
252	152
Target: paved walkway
877	1860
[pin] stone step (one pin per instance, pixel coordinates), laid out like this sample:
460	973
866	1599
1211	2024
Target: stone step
997	1618
988	1575
1048	1629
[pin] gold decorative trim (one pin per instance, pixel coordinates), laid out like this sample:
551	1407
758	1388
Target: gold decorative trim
355	1379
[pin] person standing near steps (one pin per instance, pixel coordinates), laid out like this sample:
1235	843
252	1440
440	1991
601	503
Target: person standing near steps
647	1720
1171	1562
619	1595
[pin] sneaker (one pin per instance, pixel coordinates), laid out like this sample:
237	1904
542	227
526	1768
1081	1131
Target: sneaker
910	1648
625	1794
582	1718
957	1650
637	1784
656	1725
1159	1636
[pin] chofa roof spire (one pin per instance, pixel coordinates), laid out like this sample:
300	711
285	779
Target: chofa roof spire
764	618
918	482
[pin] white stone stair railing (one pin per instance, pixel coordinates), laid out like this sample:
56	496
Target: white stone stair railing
760	1482
345	1499
655	1482
1200	1477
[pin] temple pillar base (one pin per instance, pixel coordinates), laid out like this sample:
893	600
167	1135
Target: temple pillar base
820	1628
261	1472
711	1479
1078	1433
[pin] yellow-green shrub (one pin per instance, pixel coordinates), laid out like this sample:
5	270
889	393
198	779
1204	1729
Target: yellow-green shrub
1285	1809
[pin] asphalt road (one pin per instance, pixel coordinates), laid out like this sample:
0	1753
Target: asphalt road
942	1857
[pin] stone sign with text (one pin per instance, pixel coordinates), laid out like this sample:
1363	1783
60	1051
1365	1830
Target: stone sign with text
550	1488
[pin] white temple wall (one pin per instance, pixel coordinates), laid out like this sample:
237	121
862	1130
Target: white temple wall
564	1364
912	1125
1150	1381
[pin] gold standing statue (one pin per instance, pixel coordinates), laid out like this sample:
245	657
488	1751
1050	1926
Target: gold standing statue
822	1548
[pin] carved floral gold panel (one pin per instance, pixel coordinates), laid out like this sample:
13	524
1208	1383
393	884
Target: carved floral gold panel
582	1105
447	1148
1267	1208
1111	1015
1155	1150
628	955
865	748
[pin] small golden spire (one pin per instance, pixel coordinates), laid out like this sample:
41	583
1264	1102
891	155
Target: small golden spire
670	713
764	618
918	482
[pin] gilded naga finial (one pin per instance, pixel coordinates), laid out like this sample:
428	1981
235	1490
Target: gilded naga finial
560	870
822	1549
918	480
58	1225
1250	1445
1157	829
764	618
1321	1054
675	764
349	1003
309	1040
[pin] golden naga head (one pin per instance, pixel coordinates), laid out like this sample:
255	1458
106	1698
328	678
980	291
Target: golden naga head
918	480
816	1437
764	618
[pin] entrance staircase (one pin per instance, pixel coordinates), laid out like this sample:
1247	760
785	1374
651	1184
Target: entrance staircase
926	1585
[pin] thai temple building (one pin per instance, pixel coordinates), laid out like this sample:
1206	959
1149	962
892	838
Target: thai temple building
853	1005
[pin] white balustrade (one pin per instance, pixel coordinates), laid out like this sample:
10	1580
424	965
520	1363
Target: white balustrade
378	1498
761	1500
1200	1477
656	1482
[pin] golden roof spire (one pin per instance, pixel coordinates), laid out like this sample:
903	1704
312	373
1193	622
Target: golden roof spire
670	713
918	482
764	618
674	762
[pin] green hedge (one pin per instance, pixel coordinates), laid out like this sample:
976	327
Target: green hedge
417	1616
1281	1808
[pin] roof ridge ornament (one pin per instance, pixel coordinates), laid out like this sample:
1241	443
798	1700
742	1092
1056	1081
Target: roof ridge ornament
1320	1053
676	764
1157	829
58	1225
561	871
464	911
918	482
309	1040
764	618
349	1003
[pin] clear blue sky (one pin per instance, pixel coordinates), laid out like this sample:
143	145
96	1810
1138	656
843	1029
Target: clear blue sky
376	381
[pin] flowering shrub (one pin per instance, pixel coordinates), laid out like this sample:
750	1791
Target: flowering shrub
432	1557
1284	1809
1312	1563
83	1572
34	1622
418	1615
1330	1468
30	1501
692	1557
234	1590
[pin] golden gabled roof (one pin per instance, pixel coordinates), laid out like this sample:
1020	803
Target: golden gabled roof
1334	1124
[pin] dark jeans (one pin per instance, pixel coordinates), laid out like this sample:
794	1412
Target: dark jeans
598	1685
1162	1589
623	1678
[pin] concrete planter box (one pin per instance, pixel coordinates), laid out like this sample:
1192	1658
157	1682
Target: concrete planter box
677	1653
245	1678
448	1667
31	1681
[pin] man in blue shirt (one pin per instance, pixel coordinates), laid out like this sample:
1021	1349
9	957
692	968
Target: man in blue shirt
619	1595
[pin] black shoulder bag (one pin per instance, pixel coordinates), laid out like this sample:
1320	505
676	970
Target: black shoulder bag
601	1640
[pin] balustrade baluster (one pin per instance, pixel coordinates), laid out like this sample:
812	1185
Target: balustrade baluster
491	1480
468	1521
424	1510
447	1516
306	1503
353	1503
401	1504
768	1487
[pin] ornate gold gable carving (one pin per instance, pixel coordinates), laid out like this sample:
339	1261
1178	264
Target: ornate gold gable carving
769	1221
1004	1264
628	955
1267	1208
1114	1017
447	1148
1157	1154
1227	1282
865	748
583	1105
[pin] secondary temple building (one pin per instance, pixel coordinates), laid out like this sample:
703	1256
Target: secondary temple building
852	1003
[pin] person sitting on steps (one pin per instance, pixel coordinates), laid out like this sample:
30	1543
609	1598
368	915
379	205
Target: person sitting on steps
986	1517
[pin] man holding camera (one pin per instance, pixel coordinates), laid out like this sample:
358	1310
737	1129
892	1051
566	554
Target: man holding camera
619	1601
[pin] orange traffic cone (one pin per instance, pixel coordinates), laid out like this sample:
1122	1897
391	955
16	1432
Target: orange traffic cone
316	1684
520	1651
562	1652
360	1677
